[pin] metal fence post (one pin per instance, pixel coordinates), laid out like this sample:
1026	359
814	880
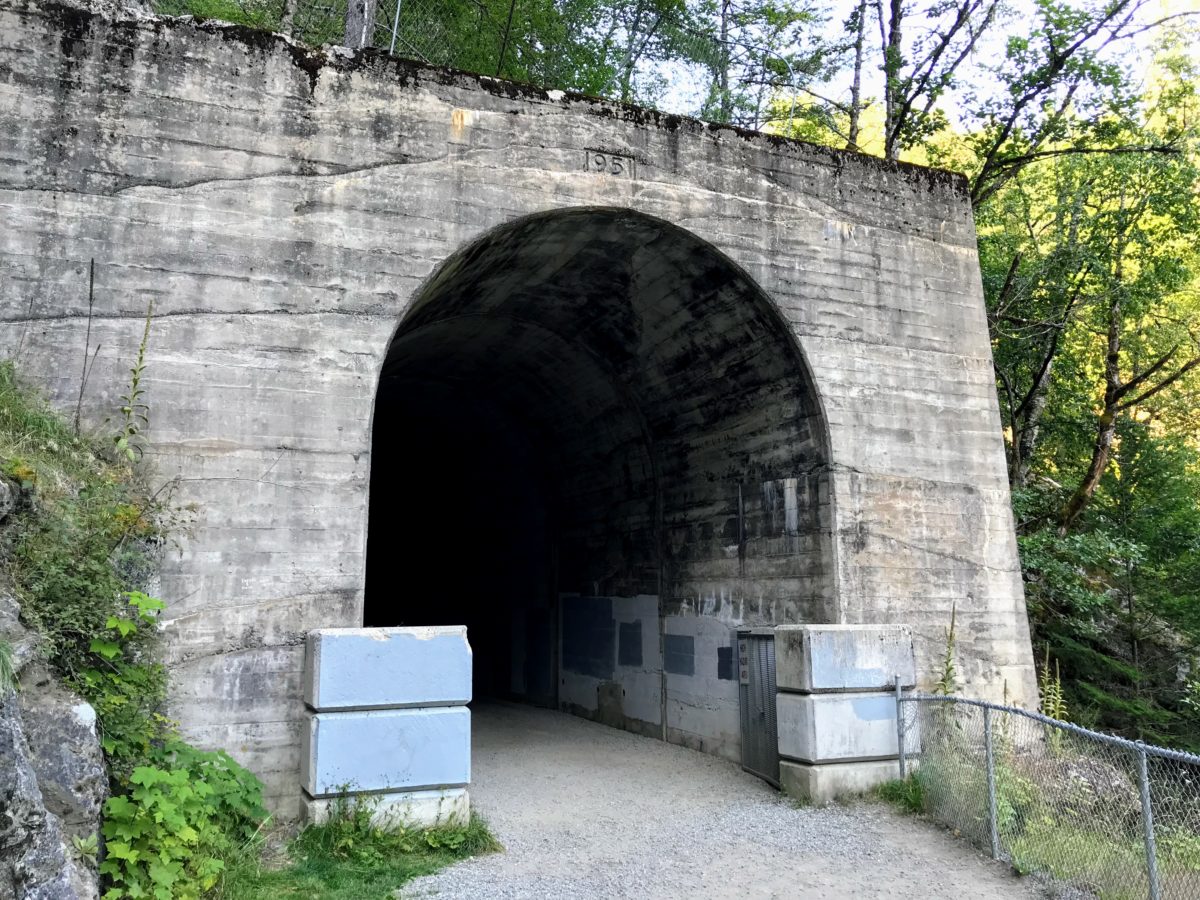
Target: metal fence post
395	28
1148	824
900	729
993	818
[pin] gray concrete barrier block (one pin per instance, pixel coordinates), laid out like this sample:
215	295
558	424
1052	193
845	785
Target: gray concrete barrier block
365	668
821	728
822	784
401	809
819	658
386	750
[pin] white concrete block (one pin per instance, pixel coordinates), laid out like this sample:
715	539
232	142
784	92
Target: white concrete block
817	658
823	784
386	750
403	809
819	728
365	668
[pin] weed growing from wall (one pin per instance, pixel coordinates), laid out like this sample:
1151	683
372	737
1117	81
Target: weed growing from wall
949	673
135	414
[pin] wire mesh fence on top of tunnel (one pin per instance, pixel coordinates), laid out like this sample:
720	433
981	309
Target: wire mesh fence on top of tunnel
1100	815
744	65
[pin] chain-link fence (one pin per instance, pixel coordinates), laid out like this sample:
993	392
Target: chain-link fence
1100	815
724	62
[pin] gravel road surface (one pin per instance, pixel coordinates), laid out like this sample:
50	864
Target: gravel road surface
586	811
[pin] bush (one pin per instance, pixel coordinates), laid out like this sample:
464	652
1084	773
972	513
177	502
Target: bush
127	686
64	568
80	555
183	814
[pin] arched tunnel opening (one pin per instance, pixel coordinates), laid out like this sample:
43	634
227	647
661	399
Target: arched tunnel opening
596	444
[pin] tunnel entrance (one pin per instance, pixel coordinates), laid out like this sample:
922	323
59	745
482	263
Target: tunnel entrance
596	444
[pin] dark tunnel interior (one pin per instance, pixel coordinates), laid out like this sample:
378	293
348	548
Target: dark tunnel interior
590	404
460	526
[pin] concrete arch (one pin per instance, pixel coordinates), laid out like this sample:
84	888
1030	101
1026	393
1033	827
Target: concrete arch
622	441
281	233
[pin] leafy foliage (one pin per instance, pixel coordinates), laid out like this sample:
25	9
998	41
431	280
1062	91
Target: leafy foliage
67	565
183	812
80	555
127	686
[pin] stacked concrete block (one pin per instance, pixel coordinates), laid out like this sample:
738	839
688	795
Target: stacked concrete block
836	707
387	721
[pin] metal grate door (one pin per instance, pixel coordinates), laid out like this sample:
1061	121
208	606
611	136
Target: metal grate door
756	678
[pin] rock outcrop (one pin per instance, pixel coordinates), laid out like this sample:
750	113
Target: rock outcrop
53	782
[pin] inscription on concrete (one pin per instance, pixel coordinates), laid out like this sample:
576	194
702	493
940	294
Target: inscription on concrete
605	163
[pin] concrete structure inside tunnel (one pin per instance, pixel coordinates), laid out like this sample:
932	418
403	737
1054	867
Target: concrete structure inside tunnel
592	425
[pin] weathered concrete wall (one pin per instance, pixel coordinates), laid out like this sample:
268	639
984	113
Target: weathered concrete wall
282	209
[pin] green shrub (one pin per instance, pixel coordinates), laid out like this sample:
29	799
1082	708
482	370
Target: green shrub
63	566
127	686
78	556
1096	861
176	812
1017	798
183	813
1179	849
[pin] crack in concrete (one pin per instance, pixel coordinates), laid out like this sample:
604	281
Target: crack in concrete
331	171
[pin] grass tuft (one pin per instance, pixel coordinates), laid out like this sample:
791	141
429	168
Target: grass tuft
8	676
349	858
906	795
37	446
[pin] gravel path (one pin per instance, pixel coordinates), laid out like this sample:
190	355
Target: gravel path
586	811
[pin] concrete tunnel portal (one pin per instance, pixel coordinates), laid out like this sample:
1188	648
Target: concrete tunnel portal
597	444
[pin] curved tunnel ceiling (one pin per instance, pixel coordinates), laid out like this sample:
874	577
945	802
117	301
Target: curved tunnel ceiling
670	400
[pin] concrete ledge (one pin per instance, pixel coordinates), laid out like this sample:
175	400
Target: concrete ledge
364	668
822	784
404	809
386	750
818	658
825	728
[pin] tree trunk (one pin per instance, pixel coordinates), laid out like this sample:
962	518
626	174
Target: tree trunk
893	61
856	85
1025	441
1106	427
360	23
1105	432
726	104
287	17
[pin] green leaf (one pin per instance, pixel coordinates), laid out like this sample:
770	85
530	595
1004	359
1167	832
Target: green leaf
106	649
121	850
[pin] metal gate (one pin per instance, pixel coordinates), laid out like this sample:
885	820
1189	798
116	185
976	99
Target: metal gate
756	678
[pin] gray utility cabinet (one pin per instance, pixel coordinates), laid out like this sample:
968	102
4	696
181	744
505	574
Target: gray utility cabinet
756	689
